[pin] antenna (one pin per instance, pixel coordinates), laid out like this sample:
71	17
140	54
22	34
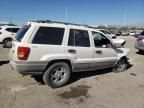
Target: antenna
125	15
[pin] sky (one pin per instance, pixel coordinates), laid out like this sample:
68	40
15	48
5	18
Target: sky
92	12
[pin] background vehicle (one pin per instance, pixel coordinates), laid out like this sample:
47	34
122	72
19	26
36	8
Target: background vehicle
140	42
108	33
7	33
55	50
119	41
116	32
138	32
113	37
132	33
124	33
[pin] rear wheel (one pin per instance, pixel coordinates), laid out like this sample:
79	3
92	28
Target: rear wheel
7	43
121	65
57	75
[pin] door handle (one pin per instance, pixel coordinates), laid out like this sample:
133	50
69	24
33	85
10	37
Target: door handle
99	52
72	51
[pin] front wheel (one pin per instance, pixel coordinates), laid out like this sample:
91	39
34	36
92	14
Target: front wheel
57	75
121	65
7	43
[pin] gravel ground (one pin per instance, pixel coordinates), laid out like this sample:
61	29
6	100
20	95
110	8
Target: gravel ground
93	89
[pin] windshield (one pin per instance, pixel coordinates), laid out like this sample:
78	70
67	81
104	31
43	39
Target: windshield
22	32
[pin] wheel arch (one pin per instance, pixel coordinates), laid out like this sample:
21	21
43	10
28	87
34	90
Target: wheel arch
59	60
123	57
6	39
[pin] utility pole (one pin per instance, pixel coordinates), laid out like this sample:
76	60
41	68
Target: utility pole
66	18
125	15
10	20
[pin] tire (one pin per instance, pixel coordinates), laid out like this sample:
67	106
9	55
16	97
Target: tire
57	75
141	51
7	43
121	66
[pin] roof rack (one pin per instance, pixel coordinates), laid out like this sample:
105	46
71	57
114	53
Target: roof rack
66	23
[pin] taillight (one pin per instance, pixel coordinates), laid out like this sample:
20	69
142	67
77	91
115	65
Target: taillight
23	53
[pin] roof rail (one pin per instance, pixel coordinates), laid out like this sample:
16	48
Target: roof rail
66	23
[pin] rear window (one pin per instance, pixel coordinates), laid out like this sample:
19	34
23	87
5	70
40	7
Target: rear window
22	32
49	35
142	33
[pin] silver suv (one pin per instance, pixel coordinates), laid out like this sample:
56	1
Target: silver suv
56	50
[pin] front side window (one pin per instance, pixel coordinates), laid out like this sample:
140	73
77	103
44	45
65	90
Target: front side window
100	40
79	38
49	35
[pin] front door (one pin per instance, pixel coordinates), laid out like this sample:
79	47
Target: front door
104	55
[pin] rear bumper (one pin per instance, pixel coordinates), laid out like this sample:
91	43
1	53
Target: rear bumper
28	68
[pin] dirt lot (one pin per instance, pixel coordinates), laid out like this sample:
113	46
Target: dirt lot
96	89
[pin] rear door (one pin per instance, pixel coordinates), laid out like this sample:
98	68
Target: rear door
104	55
47	43
79	48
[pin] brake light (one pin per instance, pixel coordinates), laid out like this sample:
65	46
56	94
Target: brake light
23	53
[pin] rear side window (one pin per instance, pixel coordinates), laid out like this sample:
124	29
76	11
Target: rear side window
79	38
22	32
49	35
